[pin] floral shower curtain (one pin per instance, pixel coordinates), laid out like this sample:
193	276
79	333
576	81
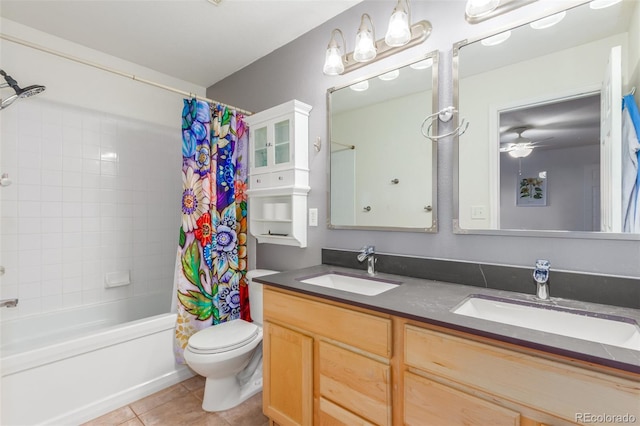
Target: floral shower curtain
211	260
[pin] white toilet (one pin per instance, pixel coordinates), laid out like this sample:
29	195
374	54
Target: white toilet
229	354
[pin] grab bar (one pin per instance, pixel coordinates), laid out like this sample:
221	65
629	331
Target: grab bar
8	303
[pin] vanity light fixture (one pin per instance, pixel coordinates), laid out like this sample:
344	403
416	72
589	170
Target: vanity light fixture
398	32
601	4
481	10
391	75
496	39
549	21
333	63
365	50
368	49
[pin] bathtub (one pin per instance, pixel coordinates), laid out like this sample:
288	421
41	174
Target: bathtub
71	366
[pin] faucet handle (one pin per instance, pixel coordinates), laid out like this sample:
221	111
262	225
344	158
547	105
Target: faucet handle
541	272
367	249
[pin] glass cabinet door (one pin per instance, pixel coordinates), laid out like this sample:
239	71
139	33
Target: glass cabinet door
260	147
282	142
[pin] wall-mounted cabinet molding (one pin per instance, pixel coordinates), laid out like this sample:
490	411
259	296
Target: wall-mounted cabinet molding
279	174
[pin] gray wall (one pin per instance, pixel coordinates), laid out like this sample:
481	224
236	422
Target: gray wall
569	194
295	72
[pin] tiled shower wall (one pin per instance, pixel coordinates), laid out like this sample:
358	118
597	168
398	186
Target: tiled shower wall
92	193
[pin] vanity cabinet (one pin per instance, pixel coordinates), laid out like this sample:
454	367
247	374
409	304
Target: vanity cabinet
329	363
348	352
458	380
279	174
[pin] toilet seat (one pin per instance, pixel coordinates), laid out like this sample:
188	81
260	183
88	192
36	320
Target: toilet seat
223	337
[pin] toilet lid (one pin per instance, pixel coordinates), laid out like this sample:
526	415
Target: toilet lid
223	337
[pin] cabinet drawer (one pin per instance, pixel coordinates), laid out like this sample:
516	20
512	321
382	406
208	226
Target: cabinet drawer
430	403
367	332
550	386
282	178
259	181
363	383
334	415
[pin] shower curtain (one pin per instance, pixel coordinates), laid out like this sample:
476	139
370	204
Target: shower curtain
211	258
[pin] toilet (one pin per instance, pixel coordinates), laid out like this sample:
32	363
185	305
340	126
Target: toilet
229	355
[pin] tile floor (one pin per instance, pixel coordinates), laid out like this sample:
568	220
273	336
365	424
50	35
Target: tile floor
181	404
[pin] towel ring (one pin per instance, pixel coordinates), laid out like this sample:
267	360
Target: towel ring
443	115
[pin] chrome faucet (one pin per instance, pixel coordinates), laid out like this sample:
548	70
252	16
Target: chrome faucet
541	276
8	303
368	252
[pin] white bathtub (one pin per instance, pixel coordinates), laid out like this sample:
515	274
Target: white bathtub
72	366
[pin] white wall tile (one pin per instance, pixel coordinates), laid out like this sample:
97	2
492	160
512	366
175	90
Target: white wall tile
52	286
91	193
28	192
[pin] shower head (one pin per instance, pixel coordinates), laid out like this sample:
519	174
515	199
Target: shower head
19	92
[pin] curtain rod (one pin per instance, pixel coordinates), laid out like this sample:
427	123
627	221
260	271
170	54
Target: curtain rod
114	71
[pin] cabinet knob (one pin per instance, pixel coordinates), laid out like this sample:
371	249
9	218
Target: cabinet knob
367	208
428	208
395	181
258	180
280	177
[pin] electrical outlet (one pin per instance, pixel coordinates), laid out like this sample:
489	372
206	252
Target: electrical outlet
313	217
478	212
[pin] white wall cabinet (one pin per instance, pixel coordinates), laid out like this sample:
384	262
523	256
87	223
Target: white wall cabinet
279	174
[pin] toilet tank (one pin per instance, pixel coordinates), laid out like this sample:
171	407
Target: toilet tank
255	293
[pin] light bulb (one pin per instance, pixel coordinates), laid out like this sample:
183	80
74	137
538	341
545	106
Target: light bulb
360	87
365	43
427	63
398	33
333	64
496	39
601	4
520	151
478	8
391	75
549	21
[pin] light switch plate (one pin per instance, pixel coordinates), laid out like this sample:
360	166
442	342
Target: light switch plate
313	217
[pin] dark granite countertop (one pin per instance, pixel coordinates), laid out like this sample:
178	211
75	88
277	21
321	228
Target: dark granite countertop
432	302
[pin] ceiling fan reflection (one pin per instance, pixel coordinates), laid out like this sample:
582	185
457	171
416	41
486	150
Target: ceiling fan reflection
521	146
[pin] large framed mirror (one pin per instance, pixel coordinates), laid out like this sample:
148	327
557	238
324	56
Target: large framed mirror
544	152
382	172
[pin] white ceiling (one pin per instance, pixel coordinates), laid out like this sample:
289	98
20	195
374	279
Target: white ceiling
193	40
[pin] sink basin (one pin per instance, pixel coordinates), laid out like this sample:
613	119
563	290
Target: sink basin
607	329
353	284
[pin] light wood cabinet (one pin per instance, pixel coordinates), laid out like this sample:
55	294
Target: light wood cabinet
279	174
544	391
430	403
328	363
288	376
351	381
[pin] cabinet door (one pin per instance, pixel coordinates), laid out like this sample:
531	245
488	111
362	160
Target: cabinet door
288	376
430	403
260	143
282	143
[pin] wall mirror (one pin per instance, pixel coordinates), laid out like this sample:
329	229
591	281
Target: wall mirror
382	169
543	152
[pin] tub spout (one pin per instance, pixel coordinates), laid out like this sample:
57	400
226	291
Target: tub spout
8	303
